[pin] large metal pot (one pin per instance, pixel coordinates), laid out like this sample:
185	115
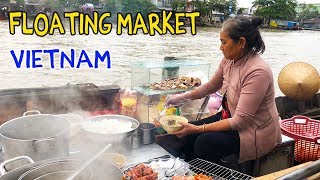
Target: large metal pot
116	139
61	168
39	136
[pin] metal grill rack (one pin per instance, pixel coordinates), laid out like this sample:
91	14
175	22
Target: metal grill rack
200	166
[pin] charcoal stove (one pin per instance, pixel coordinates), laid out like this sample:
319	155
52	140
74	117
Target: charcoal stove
200	166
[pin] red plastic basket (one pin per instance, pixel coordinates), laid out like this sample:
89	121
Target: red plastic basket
306	133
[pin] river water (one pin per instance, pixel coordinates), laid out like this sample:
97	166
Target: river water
282	48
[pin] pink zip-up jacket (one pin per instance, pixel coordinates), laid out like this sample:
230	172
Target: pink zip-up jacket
251	100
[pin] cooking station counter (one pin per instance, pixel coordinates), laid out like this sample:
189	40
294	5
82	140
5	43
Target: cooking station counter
144	153
83	147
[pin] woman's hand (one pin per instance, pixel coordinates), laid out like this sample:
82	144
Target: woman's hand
188	129
174	100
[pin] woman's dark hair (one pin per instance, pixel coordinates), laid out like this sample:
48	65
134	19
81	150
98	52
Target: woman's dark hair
241	26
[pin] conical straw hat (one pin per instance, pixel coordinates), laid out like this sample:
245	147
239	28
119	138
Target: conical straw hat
299	81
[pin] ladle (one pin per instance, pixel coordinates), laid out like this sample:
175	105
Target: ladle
162	113
88	162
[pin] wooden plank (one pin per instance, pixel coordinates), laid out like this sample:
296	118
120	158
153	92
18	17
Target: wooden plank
316	110
281	173
314	177
315	117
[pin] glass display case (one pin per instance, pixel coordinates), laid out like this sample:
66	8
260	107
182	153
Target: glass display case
151	81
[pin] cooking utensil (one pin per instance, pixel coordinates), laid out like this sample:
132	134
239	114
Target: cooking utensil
39	136
118	140
19	171
120	118
146	132
56	169
163	158
162	113
3	170
84	166
203	106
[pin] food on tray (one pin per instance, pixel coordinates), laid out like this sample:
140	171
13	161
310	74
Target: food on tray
195	177
176	83
182	178
141	172
202	177
107	126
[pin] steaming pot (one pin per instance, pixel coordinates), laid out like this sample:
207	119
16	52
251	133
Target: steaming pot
60	168
118	140
39	136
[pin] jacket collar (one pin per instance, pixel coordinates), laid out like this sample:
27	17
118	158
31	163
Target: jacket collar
241	60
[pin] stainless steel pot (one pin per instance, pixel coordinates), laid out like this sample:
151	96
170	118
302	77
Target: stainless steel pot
39	136
116	139
61	168
121	118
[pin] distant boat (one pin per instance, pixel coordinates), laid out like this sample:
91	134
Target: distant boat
312	24
288	107
3	13
286	25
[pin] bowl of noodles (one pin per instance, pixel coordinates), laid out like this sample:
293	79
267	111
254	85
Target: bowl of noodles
172	123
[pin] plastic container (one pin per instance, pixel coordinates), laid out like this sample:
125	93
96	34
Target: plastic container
214	102
306	133
128	103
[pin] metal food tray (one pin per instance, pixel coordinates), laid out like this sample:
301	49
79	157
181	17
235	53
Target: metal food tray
148	91
200	166
161	165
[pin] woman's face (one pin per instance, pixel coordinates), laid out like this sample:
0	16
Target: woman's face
230	49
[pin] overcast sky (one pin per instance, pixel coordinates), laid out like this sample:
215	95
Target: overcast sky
248	3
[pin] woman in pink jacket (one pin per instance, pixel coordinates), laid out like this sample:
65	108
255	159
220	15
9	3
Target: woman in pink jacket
248	124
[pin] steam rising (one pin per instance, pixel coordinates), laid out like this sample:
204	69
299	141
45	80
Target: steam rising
74	104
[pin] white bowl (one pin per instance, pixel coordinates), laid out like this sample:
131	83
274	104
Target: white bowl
116	159
175	127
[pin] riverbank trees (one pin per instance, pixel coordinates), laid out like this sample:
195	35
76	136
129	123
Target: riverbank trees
129	7
206	9
308	11
275	9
